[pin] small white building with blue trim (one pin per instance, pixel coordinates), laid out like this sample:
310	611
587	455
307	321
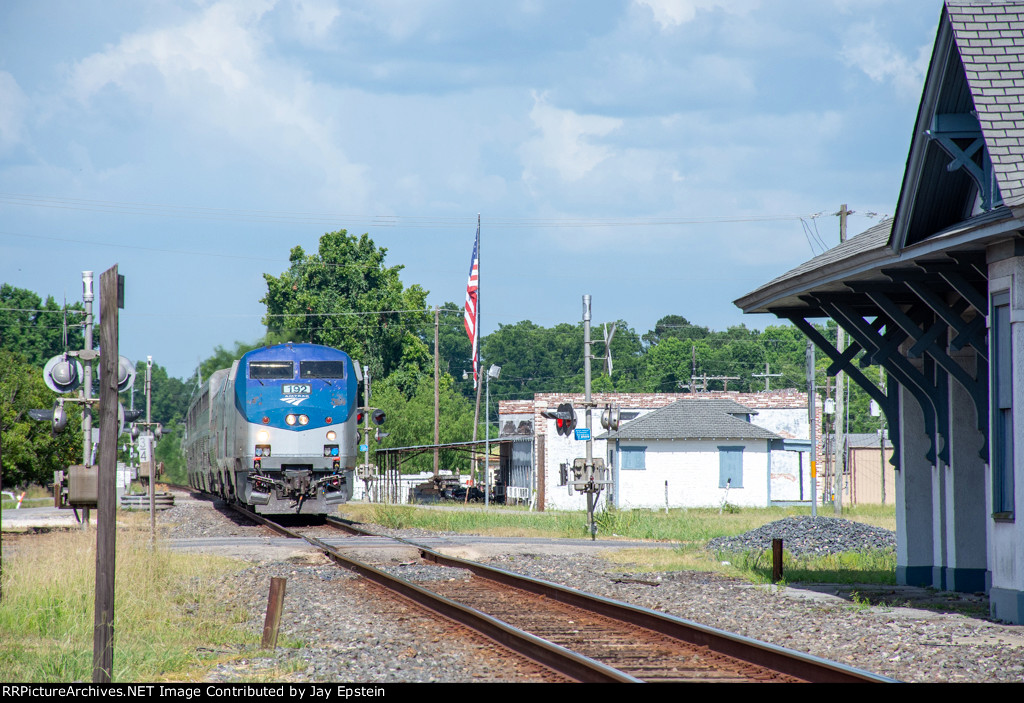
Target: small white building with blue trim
693	453
670	446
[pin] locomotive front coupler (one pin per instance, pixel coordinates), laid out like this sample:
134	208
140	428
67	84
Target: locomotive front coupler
263	483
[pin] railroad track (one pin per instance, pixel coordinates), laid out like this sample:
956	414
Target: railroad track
585	637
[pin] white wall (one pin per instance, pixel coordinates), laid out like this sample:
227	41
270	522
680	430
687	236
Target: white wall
1006	538
791	423
691	471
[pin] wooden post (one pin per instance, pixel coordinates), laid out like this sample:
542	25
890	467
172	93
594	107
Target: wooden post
275	604
106	503
776	560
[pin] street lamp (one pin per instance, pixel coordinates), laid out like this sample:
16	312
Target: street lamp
492	372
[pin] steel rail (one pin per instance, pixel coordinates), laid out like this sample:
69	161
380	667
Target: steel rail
553	656
787	661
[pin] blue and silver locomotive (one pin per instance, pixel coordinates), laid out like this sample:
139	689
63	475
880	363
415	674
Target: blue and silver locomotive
277	431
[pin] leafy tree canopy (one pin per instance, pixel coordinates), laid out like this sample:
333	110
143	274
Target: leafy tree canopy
411	421
675	326
169	396
34	328
345	297
30	453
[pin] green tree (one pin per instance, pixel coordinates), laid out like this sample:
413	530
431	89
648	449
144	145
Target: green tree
628	359
169	396
456	354
667	365
168	451
535	359
35	328
30	452
411	421
675	326
345	297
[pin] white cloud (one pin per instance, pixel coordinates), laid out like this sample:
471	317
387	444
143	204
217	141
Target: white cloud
565	142
214	80
866	50
670	14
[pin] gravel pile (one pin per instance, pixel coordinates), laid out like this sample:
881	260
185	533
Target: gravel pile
340	629
810	536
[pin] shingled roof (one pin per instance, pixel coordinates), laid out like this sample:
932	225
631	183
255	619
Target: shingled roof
990	37
695	418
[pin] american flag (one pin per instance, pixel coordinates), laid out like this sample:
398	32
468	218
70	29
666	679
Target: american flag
472	294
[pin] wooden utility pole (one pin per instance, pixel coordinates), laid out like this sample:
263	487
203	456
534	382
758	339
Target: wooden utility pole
106	504
437	391
839	457
767	376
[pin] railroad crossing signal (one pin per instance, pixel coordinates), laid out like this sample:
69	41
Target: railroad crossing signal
564	417
566	420
377	416
611	418
62	374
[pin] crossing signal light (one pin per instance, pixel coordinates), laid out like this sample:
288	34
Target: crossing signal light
611	418
565	419
377	415
62	374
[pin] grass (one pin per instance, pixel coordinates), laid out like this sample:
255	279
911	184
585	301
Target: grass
168	624
691	529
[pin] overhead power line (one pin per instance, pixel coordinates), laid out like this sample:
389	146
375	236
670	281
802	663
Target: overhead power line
380	220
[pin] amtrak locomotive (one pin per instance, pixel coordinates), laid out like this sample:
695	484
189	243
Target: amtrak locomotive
277	431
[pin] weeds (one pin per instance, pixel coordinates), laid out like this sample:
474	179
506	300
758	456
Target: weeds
690	529
164	610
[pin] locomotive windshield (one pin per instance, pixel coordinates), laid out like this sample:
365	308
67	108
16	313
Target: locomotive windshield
272	369
321	369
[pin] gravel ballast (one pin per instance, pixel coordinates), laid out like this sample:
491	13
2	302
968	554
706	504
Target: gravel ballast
810	536
349	633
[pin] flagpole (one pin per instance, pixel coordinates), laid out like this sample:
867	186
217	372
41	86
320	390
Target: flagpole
477	356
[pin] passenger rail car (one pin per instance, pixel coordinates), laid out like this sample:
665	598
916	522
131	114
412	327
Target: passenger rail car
277	431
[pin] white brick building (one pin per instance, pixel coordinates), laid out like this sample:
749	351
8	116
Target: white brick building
775	465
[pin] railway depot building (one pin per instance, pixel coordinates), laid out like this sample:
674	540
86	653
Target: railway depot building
936	297
675	449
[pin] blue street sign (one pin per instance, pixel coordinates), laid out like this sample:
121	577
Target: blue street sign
363	447
582	433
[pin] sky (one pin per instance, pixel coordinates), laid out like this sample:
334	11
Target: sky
663	156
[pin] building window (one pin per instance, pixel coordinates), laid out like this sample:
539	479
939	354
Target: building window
730	467
1002	407
632	458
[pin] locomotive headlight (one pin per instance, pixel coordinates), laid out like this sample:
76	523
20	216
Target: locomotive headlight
291	419
303	419
262	436
331	435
